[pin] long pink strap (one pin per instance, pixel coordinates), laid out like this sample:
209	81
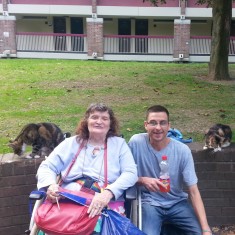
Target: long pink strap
73	161
75	158
105	166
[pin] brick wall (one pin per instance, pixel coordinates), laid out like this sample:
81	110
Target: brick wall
7	35
95	37
17	180
216	173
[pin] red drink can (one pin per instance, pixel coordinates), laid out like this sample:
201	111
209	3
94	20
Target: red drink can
166	182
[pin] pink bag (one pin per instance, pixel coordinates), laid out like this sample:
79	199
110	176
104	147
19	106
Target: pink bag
69	218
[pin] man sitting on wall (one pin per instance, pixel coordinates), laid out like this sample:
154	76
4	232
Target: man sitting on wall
173	206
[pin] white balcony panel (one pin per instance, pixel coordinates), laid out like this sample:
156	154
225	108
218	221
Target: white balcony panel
117	11
7	17
49	9
138	11
198	12
159	11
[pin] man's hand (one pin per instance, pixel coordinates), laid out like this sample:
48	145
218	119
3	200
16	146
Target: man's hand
152	184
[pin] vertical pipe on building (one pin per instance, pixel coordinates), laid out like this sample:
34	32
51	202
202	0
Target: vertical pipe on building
94	6
182	6
4	5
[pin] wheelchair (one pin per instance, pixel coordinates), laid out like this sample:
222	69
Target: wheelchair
33	229
132	206
129	195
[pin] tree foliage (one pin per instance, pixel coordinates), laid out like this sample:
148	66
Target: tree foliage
156	2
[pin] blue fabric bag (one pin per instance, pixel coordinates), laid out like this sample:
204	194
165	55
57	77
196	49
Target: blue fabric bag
114	223
177	135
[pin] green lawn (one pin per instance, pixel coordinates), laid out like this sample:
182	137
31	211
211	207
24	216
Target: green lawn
59	91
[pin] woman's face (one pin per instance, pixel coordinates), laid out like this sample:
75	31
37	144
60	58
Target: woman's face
99	123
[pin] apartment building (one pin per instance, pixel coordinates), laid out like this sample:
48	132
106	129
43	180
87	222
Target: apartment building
179	30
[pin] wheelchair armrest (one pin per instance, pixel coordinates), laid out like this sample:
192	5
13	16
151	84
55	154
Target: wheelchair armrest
131	193
37	195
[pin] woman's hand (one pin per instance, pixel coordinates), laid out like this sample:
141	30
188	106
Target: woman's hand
53	193
99	201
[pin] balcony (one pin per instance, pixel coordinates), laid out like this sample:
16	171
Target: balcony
116	47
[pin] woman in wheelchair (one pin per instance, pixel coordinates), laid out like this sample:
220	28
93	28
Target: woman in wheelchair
96	136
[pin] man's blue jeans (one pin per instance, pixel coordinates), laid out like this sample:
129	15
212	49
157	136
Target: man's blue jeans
181	215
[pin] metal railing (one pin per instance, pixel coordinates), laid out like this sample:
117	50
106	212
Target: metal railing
51	42
201	45
130	44
113	44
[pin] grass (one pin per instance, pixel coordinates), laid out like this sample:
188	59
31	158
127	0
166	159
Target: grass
59	91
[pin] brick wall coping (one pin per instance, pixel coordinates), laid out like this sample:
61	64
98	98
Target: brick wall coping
226	154
196	148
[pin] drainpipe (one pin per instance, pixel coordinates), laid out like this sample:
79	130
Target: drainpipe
7	33
94	6
4	5
182	6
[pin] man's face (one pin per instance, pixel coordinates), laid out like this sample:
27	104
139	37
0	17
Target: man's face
157	126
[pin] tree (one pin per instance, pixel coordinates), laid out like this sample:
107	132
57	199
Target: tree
221	17
222	14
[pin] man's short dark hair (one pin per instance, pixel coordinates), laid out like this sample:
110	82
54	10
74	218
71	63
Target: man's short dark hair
157	109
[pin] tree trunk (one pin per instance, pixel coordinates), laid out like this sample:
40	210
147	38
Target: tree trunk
222	14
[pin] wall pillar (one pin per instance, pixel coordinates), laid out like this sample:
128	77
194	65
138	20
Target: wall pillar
7	33
95	39
181	39
7	36
95	48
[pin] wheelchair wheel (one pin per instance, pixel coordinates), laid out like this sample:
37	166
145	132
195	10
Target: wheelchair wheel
34	231
41	233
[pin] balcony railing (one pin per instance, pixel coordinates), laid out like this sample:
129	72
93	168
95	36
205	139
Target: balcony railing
51	42
232	46
116	44
113	44
201	45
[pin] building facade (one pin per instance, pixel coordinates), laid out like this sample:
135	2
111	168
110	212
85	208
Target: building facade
179	30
